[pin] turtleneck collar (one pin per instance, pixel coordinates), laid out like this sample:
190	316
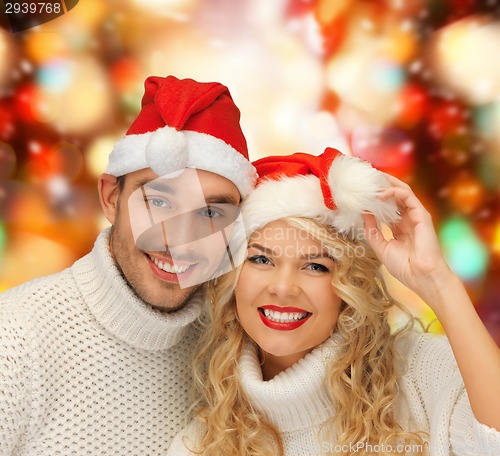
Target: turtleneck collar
295	398
116	307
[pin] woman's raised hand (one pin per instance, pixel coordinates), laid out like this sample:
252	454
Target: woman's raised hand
413	256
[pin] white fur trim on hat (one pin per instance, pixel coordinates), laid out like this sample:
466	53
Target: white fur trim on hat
167	150
288	196
354	184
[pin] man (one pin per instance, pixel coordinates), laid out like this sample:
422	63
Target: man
95	359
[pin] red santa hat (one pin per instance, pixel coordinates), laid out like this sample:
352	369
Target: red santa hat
185	124
332	188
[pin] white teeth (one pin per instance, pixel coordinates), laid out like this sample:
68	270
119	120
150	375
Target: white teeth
172	268
284	317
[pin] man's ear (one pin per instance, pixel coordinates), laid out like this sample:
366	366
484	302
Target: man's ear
109	191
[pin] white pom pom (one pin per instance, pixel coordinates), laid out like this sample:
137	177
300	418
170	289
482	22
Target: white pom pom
167	151
355	185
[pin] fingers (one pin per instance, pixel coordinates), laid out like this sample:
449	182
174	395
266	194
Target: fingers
405	199
373	234
404	193
395	181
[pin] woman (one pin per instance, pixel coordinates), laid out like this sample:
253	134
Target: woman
299	358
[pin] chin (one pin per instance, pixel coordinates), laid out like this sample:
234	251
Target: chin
172	299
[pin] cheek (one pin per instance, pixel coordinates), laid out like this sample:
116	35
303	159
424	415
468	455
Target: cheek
212	246
247	283
137	221
243	313
328	307
124	233
244	291
241	298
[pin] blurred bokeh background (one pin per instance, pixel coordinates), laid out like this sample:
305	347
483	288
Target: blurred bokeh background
411	85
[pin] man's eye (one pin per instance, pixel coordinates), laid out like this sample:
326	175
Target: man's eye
210	212
157	202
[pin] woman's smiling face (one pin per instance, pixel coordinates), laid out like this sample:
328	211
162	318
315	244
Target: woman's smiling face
284	295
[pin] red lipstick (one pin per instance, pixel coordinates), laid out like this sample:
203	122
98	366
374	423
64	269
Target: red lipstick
281	325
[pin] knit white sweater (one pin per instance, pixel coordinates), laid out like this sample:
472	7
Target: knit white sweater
433	399
87	368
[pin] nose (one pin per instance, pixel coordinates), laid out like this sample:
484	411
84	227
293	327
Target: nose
180	229
283	283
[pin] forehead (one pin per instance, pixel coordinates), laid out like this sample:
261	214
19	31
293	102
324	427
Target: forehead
184	183
281	233
213	184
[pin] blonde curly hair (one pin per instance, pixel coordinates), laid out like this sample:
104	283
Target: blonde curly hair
362	382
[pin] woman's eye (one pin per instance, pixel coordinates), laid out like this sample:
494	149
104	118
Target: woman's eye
259	259
316	267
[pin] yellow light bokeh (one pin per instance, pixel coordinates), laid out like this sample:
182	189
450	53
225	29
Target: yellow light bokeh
43	45
29	255
70	108
466	59
87	14
96	157
399	45
495	246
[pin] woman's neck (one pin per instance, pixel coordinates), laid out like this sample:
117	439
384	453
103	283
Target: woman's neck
272	365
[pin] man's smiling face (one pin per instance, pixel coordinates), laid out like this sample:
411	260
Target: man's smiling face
167	237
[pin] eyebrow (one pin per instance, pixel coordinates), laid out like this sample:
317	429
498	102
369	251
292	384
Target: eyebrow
316	255
269	251
155	185
223	198
261	248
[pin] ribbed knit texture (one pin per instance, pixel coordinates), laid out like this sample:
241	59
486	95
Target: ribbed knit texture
87	368
432	399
